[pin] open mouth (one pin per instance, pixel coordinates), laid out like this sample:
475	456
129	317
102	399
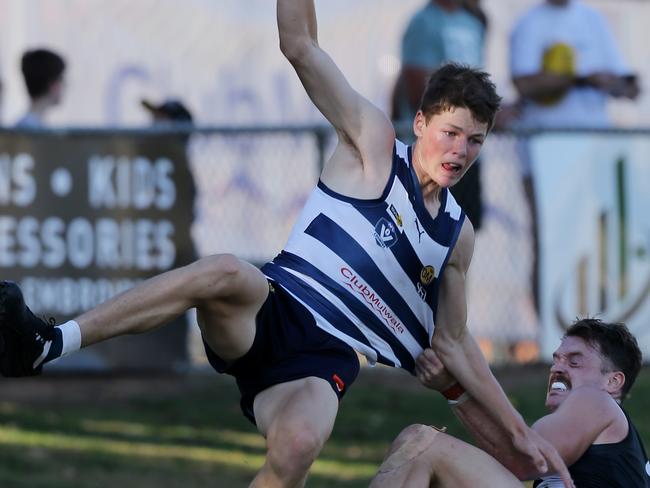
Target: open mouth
559	385
452	167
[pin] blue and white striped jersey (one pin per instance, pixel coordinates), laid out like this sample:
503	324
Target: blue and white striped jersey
369	270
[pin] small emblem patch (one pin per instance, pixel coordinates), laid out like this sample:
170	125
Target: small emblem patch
398	217
427	274
385	233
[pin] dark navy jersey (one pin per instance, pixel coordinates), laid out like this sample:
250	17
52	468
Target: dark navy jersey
619	465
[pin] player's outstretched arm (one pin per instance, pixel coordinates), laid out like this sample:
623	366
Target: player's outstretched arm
460	354
488	434
355	119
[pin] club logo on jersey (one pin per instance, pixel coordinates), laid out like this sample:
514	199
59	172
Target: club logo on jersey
398	217
385	233
427	275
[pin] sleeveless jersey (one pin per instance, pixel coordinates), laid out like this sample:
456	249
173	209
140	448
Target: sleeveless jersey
619	465
369	270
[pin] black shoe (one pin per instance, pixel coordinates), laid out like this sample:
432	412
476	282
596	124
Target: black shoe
22	334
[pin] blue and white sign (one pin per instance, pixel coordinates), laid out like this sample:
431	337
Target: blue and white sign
593	194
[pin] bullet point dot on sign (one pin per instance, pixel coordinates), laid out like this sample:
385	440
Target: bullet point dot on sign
61	182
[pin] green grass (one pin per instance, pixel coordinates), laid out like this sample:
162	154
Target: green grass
188	431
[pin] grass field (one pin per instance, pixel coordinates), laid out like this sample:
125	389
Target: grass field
187	431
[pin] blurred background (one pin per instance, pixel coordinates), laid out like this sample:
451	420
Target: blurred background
178	130
222	56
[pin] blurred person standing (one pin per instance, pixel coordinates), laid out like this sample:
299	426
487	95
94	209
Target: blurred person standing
441	31
565	65
173	115
43	71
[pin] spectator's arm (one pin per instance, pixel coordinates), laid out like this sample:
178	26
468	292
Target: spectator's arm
618	86
541	85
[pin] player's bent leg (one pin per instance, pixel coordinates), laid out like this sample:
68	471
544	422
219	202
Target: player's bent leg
296	418
228	300
219	284
162	298
423	457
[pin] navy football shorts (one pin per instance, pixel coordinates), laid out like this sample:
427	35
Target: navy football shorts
288	345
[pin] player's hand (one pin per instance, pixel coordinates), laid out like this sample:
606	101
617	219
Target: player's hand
545	457
431	372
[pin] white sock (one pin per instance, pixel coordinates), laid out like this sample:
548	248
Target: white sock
67	339
71	334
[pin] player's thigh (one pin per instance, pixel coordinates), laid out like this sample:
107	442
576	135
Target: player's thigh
304	405
233	291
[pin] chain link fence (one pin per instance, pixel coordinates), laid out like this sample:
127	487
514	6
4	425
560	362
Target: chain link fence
251	185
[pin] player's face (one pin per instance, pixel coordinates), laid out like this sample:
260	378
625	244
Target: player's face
447	145
575	364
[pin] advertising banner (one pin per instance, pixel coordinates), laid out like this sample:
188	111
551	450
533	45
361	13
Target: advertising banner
86	215
593	194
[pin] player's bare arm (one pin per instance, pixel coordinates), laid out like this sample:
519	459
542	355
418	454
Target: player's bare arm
487	432
366	135
460	353
456	347
591	415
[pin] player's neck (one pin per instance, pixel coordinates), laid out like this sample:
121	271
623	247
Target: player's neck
429	188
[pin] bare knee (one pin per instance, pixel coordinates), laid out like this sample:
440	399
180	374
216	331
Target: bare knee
291	451
411	459
214	276
416	436
413	450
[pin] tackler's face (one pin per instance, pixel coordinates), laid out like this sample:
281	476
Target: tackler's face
576	363
447	145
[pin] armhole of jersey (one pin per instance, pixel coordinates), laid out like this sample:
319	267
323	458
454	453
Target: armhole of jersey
454	239
362	201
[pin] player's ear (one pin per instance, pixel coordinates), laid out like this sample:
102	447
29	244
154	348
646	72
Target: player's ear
419	123
615	383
